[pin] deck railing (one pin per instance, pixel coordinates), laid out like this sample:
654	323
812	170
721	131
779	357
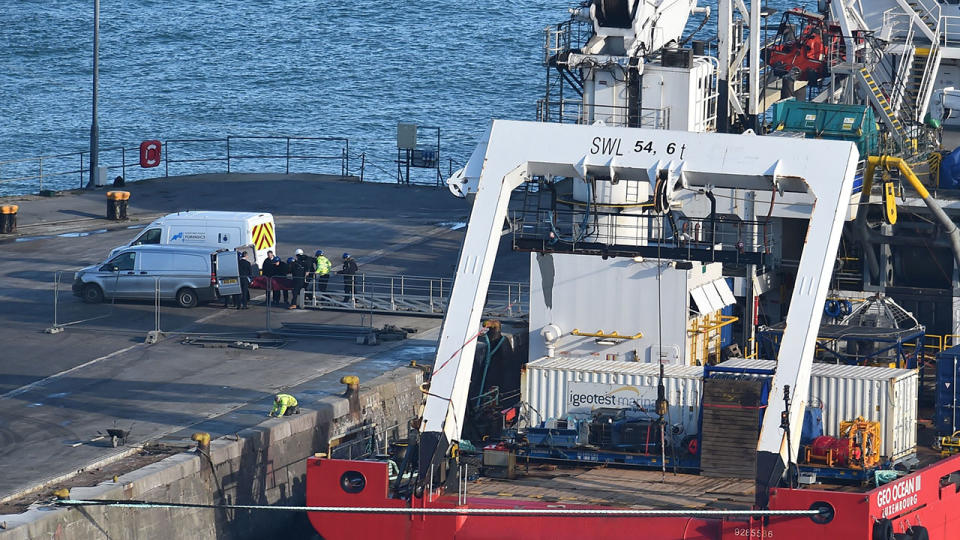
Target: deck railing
233	153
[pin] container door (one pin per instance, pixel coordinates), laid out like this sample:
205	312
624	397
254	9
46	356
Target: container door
228	273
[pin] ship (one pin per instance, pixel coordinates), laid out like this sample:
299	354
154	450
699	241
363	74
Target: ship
743	288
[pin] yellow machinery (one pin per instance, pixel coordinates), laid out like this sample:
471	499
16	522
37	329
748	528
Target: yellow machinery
948	445
857	447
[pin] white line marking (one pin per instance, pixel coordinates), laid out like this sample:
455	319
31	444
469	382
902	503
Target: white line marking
17	391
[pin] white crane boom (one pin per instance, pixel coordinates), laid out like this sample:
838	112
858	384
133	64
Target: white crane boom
513	152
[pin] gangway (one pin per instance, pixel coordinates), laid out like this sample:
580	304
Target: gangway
413	295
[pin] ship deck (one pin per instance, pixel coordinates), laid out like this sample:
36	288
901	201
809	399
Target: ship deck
616	487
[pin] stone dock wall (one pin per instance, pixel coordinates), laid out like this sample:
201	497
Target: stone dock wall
263	465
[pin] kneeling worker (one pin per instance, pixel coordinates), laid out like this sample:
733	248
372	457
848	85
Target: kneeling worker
284	405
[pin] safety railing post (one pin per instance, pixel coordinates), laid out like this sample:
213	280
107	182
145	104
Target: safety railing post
347	155
156	303
271	294
228	154
56	295
40	167
123	162
166	159
363	164
288	155
81	170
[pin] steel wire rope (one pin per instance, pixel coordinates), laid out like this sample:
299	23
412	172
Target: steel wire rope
559	512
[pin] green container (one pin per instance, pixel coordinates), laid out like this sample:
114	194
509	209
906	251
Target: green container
855	123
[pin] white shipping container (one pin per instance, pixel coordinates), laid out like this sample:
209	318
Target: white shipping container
546	382
884	395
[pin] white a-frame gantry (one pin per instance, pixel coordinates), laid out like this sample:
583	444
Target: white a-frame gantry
514	152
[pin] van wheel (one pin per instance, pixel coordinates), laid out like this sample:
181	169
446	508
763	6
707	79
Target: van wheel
91	294
186	297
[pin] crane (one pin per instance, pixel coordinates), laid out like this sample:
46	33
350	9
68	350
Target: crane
611	62
815	173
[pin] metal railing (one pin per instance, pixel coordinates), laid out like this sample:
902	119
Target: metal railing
573	111
184	156
414	295
950	31
388	294
571	227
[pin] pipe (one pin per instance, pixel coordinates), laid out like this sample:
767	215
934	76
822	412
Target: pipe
888	162
861	224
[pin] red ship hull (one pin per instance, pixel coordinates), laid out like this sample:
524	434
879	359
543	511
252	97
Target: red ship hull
925	501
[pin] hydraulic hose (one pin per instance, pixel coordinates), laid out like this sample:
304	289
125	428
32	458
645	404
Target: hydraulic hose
888	163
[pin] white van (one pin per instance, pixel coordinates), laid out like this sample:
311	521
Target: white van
216	230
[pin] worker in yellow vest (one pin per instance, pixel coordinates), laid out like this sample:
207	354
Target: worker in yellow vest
323	271
284	405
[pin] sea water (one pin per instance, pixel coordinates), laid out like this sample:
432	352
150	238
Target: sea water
194	70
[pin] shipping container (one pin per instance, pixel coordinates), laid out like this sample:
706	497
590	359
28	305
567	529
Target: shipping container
547	382
947	416
884	395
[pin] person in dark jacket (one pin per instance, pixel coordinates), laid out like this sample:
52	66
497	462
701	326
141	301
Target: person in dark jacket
246	274
349	271
268	269
282	270
309	265
299	273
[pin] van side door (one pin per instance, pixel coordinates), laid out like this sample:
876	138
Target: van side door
153	272
228	273
119	274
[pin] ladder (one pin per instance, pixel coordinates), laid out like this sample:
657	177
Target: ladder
900	96
924	76
881	105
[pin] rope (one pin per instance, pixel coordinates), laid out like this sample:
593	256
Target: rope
558	512
456	352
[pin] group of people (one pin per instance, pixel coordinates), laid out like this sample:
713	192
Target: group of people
302	268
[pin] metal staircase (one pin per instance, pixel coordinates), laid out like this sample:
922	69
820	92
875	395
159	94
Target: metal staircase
923	74
926	13
881	105
900	97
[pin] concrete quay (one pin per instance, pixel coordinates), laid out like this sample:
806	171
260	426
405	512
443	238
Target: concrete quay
263	465
57	391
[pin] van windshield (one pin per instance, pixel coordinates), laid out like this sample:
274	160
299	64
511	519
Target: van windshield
150	236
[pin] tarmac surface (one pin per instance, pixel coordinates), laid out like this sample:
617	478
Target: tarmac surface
57	391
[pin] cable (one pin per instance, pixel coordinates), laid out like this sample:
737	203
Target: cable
133	503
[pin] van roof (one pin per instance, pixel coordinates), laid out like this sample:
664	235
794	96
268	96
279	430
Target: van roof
166	248
216	214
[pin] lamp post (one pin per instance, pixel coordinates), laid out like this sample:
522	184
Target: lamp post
94	128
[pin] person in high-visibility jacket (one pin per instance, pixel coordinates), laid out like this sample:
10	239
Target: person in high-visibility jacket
284	405
323	271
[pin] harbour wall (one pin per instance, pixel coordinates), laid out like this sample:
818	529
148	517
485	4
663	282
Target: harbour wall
263	465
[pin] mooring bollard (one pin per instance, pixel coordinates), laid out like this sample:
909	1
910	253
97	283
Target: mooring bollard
117	205
8	219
